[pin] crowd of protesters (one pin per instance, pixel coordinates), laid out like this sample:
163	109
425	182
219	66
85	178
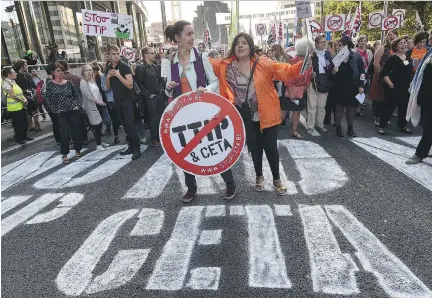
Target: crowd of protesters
264	86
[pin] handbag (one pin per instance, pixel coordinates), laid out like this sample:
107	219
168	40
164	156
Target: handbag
322	83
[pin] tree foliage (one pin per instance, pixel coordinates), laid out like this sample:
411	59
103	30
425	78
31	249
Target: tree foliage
423	7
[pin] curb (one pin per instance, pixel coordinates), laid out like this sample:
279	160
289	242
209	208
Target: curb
19	148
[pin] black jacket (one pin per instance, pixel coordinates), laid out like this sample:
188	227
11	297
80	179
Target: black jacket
424	97
149	79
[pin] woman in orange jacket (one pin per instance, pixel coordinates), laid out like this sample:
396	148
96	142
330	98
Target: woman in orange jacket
247	82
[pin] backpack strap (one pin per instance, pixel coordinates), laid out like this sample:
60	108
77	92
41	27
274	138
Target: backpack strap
199	70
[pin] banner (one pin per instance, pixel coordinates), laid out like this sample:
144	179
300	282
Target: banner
375	19
313	28
101	23
334	22
303	9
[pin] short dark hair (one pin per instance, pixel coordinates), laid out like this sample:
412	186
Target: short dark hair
172	30
6	71
419	36
249	41
387	44
112	47
145	50
18	64
53	66
202	44
347	41
64	64
396	42
318	38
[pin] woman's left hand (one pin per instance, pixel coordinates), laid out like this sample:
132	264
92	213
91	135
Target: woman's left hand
201	90
361	90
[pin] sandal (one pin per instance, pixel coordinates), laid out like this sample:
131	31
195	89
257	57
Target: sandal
297	135
65	159
77	156
280	189
259	185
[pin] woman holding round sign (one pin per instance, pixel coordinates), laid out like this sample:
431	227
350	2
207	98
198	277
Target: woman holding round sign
190	71
247	82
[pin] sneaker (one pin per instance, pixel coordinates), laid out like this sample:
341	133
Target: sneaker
381	131
376	123
230	192
128	151
100	148
155	143
189	195
322	129
414	160
136	155
280	189
105	145
143	141
406	130
310	131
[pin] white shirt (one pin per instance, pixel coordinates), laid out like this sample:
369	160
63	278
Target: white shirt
212	80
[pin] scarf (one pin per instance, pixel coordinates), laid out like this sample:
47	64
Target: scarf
321	60
413	111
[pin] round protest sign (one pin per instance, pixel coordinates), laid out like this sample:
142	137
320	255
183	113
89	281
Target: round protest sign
334	23
128	53
390	23
203	135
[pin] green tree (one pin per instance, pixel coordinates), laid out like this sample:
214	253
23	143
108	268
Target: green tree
423	7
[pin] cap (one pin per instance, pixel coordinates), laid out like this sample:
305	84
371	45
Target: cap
29	52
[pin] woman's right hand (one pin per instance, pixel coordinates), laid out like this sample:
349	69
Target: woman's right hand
172	85
391	85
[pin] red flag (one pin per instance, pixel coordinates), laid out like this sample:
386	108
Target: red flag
206	35
356	23
280	33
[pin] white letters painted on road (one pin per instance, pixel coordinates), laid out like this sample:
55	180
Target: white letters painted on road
266	260
320	172
67	203
210	237
394	277
396	155
332	271
237	211
172	266
64	177
215	211
283	210
76	274
150	222
12	202
10	222
205	278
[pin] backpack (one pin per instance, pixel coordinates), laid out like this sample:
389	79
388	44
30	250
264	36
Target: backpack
40	90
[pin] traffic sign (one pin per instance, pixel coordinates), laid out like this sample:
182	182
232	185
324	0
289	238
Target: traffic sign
390	23
375	19
260	29
335	22
128	53
203	135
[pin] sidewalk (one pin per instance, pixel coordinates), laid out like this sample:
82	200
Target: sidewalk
7	133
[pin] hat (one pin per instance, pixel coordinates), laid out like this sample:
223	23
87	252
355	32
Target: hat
29	52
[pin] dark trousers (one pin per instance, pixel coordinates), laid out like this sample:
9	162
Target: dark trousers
55	126
394	98
41	111
377	107
114	117
155	107
20	124
98	133
425	143
125	109
70	122
266	140
227	176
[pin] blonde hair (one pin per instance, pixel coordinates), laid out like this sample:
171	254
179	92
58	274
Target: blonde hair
83	70
302	45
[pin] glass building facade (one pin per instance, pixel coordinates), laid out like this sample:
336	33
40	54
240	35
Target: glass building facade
35	25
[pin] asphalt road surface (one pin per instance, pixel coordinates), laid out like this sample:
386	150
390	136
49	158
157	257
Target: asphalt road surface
357	222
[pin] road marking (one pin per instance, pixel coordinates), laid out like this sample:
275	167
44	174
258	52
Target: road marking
205	278
210	237
303	121
66	204
215	211
206	185
64	177
12	221
410	140
283	210
237	211
320	172
394	277
250	174
150	222
153	182
7	168
76	274
12	202
18	174
122	269
332	271
45	136
172	266
266	260
396	155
